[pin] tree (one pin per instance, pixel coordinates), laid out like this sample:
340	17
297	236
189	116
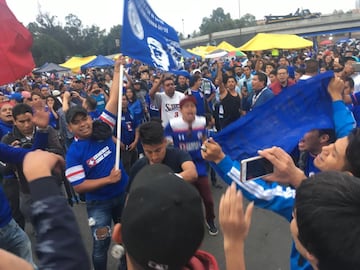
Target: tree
111	44
54	42
218	21
92	39
73	26
246	21
46	21
47	49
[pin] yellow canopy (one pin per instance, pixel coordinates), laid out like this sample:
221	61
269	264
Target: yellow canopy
202	50
264	41
75	62
225	46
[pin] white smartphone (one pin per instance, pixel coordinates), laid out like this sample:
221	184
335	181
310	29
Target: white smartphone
255	167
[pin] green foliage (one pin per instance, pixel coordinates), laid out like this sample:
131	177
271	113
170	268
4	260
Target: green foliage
219	21
54	42
47	49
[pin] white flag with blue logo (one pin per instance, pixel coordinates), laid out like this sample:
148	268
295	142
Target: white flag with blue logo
147	38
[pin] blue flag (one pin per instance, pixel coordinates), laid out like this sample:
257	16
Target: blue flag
147	38
282	121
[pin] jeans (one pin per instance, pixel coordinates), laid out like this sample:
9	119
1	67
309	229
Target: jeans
101	214
16	241
12	191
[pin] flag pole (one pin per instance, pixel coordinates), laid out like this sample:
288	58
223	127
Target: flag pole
119	116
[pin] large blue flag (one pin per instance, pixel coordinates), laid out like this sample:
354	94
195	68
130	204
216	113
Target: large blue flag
282	121
148	38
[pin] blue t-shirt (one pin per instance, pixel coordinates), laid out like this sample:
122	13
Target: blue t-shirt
153	110
128	128
310	168
5	128
89	159
200	102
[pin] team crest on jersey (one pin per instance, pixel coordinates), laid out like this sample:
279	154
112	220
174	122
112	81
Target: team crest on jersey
97	158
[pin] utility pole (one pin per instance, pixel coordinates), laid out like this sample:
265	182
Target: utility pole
183	27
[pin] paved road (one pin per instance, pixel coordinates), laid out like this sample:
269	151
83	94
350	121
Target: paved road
267	246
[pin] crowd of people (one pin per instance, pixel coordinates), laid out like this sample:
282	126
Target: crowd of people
167	164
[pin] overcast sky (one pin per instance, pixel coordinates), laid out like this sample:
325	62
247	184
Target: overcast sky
184	15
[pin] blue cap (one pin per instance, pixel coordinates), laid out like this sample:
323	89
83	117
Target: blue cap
16	96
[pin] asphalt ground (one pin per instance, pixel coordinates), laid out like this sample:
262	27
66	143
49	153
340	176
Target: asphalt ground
267	246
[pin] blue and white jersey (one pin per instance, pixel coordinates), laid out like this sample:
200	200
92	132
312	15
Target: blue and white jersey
275	197
189	139
89	159
267	195
207	87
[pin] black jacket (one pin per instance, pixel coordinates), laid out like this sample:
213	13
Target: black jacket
53	145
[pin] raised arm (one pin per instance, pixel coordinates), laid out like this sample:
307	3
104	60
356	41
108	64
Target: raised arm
56	226
343	118
156	87
112	104
235	225
219	79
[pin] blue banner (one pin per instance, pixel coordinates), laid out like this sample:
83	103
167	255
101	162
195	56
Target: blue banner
282	121
148	38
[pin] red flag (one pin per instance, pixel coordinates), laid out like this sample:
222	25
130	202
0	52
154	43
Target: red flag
16	59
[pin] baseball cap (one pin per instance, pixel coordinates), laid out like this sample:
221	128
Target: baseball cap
56	93
15	96
187	98
73	112
195	70
163	220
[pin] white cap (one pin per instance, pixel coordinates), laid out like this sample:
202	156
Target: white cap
195	70
56	93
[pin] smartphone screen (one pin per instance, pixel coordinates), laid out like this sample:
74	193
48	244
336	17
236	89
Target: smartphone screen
255	167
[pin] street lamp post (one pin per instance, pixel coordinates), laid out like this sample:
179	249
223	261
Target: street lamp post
183	27
117	45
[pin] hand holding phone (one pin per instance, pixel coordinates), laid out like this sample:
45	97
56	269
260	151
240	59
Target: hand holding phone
254	168
285	170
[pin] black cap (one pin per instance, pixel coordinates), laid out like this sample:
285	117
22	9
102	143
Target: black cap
172	210
73	111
